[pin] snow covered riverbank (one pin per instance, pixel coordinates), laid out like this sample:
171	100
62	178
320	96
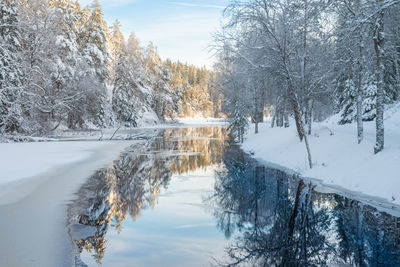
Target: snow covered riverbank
37	181
338	159
122	133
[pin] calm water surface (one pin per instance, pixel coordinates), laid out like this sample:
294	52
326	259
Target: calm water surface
188	198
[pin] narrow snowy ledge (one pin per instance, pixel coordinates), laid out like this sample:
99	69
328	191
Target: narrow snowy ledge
337	158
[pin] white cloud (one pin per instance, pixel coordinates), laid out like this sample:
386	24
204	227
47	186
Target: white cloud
197	5
107	3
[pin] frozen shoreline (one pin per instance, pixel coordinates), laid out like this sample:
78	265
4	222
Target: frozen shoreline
34	209
122	133
339	162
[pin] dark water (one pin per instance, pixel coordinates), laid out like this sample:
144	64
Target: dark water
189	198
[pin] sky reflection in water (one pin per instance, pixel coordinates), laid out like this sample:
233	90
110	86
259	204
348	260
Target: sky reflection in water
217	205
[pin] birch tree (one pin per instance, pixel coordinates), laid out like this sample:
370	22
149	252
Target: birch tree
275	25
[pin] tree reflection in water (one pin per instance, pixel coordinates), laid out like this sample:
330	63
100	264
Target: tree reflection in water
271	219
133	182
277	220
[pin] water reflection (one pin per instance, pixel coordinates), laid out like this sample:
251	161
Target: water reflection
277	220
268	218
133	183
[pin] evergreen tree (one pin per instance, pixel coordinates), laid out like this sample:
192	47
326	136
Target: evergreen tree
93	42
238	121
347	102
118	47
131	93
369	105
158	80
10	72
125	102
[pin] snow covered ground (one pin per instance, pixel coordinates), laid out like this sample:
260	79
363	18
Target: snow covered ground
24	160
338	159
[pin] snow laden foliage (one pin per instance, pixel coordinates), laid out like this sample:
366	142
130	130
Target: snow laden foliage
238	121
310	59
158	78
62	67
195	91
10	71
93	45
128	78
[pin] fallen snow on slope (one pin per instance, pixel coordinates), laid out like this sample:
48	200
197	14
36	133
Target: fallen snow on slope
337	158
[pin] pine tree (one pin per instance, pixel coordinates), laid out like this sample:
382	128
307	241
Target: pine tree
93	42
348	102
118	47
238	121
10	72
66	60
124	100
159	77
369	103
130	94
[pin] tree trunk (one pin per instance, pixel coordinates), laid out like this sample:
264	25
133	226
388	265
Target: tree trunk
360	130
273	120
299	123
286	117
379	51
274	113
309	116
297	115
308	151
397	71
285	114
279	121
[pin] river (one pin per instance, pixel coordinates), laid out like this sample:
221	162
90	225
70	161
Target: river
190	197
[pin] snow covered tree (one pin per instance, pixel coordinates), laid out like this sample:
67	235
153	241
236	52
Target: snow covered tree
158	78
194	90
118	47
238	121
379	45
40	65
369	104
131	93
347	100
59	65
10	71
298	51
93	43
274	24
66	60
125	101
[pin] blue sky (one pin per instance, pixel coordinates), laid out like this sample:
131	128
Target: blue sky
180	29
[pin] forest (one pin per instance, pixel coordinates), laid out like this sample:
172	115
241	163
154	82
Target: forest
308	60
63	67
281	150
